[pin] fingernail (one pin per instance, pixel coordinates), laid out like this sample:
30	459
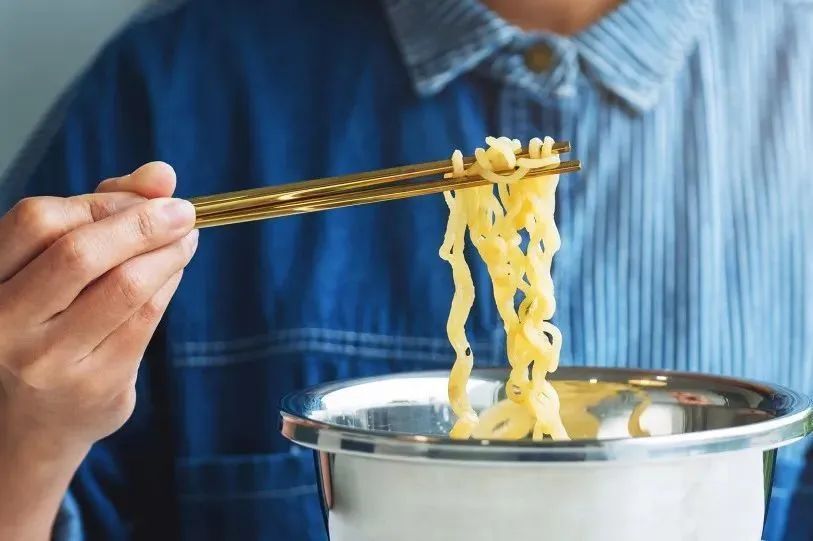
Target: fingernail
178	213
192	238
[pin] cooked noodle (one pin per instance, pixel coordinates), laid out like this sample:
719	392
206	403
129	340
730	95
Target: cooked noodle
495	222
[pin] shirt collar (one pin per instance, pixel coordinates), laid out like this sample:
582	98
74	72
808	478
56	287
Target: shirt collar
633	52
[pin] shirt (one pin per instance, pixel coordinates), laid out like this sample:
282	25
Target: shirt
685	239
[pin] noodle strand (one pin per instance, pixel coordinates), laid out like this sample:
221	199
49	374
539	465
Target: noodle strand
495	222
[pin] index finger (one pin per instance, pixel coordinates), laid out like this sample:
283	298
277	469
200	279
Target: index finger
51	282
34	224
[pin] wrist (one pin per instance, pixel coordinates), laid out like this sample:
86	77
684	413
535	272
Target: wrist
40	449
35	478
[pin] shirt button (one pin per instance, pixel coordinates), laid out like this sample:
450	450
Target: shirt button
538	58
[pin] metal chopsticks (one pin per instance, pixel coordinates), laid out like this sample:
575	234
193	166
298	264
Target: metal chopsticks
347	190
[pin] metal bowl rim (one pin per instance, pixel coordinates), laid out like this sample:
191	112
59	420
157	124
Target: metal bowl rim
791	425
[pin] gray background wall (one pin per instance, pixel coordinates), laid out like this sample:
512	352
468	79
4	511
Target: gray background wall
43	46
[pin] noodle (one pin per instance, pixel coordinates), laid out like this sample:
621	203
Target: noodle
495	223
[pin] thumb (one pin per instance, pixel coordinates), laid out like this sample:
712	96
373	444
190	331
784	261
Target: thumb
154	179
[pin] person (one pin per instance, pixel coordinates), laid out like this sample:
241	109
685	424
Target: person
686	238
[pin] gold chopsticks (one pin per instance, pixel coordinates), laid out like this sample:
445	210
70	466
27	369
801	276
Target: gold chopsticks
346	190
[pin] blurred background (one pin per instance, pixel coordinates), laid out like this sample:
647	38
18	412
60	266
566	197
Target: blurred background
43	45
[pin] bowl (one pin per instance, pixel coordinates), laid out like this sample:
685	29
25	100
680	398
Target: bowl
653	455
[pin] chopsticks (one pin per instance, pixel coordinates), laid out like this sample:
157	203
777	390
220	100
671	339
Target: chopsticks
348	190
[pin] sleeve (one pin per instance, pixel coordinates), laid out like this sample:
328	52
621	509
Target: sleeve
102	127
68	523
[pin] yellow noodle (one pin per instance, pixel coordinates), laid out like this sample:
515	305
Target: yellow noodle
494	222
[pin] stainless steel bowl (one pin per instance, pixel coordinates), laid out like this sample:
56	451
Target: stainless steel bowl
654	455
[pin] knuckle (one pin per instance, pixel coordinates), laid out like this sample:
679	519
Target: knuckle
113	391
37	215
74	254
145	225
100	208
151	311
124	402
129	287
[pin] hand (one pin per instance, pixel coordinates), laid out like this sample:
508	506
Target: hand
84	282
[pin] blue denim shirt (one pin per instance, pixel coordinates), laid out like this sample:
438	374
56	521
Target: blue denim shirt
686	238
